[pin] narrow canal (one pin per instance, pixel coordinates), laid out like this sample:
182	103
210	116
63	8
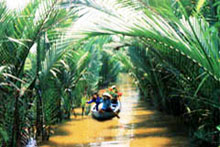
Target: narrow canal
139	125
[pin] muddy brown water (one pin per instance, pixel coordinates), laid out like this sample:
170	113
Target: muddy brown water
139	126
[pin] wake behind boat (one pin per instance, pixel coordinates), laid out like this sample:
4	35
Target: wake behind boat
116	107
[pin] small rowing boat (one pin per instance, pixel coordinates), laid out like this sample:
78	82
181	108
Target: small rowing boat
116	107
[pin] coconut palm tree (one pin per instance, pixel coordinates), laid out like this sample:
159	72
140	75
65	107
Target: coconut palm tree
20	30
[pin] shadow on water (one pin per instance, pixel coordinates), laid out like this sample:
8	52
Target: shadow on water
139	125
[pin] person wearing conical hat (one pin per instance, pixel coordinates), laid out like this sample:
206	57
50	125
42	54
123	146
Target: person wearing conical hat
115	94
106	102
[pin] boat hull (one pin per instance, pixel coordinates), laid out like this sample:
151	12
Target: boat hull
106	115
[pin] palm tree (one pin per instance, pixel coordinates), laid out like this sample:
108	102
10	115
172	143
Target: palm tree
20	31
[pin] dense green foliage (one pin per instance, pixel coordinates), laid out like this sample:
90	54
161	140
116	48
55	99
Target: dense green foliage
179	87
44	71
170	47
173	53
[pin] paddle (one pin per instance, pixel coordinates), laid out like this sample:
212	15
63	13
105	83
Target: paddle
116	115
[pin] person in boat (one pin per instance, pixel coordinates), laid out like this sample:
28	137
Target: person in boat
96	99
106	107
115	94
110	91
115	90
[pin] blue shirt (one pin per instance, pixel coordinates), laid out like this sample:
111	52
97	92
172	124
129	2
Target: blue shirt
98	100
106	104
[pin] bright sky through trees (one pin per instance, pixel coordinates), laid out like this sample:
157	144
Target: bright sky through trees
13	4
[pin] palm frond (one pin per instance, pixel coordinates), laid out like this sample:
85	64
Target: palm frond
183	35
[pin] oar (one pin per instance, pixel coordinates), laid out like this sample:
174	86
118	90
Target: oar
116	114
101	111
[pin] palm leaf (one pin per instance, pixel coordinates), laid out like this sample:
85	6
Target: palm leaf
187	37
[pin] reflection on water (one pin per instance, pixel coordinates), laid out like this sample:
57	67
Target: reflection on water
138	126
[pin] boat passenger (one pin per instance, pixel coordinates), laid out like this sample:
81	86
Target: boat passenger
115	94
96	99
114	88
106	102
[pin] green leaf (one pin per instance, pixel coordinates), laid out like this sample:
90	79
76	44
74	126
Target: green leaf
4	135
201	84
218	127
200	4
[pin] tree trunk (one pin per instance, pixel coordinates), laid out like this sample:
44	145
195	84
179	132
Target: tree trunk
39	121
16	138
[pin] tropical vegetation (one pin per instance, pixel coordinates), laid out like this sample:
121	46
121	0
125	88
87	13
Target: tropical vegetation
52	51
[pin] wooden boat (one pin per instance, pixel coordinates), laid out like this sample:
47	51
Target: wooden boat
116	107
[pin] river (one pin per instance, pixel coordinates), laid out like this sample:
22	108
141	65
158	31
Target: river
139	126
